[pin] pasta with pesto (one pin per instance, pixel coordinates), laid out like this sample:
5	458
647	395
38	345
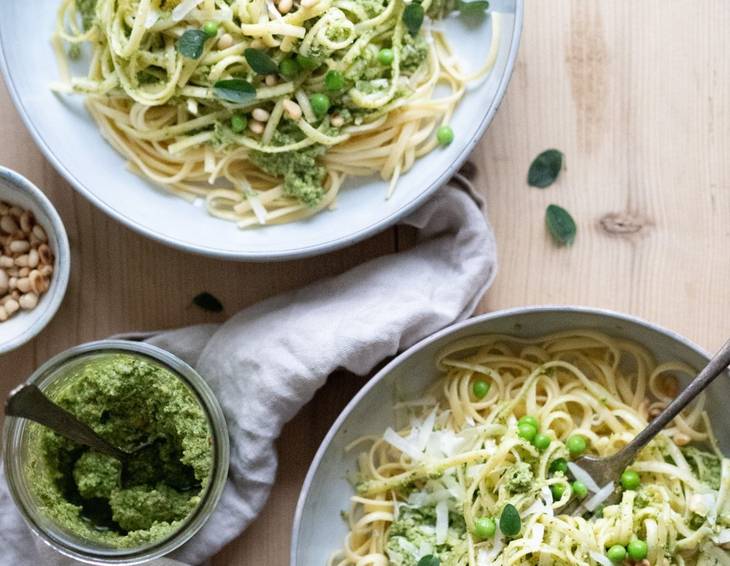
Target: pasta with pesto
480	469
262	108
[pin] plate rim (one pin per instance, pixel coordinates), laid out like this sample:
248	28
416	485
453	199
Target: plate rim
434	337
282	254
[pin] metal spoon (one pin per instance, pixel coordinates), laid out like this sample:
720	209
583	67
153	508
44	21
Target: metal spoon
609	469
29	402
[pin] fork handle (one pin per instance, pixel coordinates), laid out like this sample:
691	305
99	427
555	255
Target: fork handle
718	364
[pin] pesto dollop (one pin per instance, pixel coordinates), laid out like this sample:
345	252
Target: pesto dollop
130	402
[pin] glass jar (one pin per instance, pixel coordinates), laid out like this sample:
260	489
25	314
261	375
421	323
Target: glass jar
19	474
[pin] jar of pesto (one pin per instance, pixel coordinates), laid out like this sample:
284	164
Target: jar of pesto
88	505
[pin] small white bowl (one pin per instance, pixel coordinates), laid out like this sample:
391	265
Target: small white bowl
25	325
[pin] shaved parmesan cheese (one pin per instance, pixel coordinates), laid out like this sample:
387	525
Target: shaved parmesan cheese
442	521
547	497
425	430
584	477
152	17
397	441
183	9
701	503
722	537
535	539
601	559
485	557
603	494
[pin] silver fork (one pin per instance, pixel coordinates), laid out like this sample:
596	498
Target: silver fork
609	469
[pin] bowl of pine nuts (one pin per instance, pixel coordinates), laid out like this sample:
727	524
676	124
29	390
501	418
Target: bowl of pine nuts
34	260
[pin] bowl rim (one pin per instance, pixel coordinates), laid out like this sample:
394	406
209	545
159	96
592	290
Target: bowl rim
419	346
63	259
293	252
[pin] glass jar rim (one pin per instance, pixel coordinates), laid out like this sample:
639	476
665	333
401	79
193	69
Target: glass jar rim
14	428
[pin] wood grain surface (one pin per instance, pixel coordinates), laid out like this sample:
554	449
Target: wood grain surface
637	96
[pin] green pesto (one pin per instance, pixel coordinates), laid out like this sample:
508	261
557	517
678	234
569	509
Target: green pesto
519	478
706	466
303	175
416	526
130	402
87	9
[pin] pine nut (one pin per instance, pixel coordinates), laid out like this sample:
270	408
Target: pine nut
256	127
6	261
22	260
337	121
8	224
12	282
19	246
3	314
16	211
46	270
225	41
40	233
670	385
24	285
38	283
12	306
257	44
285	6
24	272
33	258
26	224
3	282
308	3
44	255
681	439
260	115
4	208
271	80
28	301
293	110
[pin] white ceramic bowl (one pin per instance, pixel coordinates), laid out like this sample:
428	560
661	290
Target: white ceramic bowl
71	141
318	527
16	189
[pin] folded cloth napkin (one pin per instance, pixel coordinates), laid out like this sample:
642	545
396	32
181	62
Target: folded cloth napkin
267	361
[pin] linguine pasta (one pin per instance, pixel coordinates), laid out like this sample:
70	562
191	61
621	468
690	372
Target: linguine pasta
334	88
437	490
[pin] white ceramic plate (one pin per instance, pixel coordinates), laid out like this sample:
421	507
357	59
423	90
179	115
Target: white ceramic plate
71	141
318	527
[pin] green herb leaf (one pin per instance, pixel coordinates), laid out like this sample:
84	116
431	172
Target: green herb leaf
208	302
545	168
413	17
191	43
474	8
260	62
561	225
429	560
234	90
510	523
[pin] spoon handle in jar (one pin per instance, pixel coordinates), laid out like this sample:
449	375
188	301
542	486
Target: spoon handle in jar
29	402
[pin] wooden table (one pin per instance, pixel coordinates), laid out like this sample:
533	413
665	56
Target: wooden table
637	96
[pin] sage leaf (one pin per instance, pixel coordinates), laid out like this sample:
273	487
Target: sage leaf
260	62
429	560
207	302
191	43
561	225
413	17
473	8
509	522
545	168
237	91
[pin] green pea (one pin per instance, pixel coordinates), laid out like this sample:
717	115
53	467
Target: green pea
238	123
445	135
210	28
526	431
557	489
485	527
616	553
531	420
289	68
541	441
630	479
579	489
307	63
559	465
480	388
638	549
334	80
320	103
577	444
386	56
